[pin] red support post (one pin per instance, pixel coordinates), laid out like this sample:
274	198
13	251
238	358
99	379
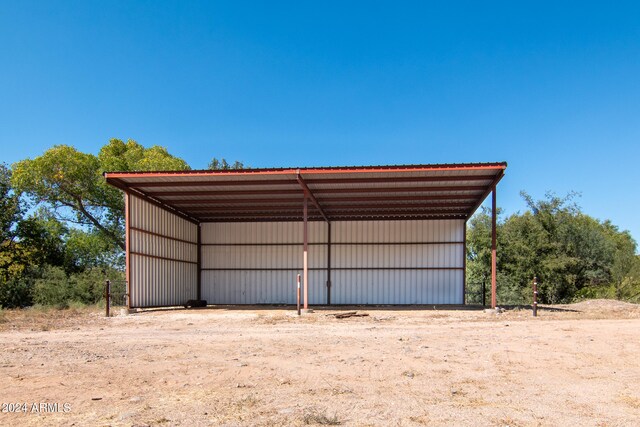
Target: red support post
127	245
464	265
305	267
493	248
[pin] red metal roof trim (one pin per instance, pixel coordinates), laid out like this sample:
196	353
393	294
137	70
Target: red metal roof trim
319	170
457	199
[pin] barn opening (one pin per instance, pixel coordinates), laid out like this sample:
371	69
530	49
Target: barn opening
358	235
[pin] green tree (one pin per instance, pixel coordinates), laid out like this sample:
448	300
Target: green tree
222	164
567	250
70	184
10	210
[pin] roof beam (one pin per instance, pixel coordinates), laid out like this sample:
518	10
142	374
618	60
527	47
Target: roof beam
350	200
486	193
334	214
316	191
310	195
259	182
142	195
296	208
397	179
341	218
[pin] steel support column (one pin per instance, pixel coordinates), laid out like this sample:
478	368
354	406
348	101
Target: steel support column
328	263
199	260
305	265
127	245
464	265
493	248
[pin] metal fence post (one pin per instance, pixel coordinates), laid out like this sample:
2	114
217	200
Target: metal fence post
298	295
107	294
484	294
535	296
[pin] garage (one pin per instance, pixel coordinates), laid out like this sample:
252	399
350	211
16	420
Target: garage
356	235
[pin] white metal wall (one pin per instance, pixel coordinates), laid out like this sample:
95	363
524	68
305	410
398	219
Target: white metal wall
163	256
373	262
398	262
257	263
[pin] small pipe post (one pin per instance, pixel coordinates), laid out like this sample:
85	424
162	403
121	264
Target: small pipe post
484	292
107	295
298	295
535	297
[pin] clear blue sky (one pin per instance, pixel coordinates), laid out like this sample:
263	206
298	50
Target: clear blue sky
554	89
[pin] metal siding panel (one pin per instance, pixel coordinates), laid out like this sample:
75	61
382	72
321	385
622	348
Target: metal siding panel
397	286
258	287
261	286
349	286
159	282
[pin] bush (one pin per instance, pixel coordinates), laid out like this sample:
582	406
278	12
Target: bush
16	292
596	292
58	289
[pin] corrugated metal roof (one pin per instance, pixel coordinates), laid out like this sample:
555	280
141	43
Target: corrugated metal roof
342	193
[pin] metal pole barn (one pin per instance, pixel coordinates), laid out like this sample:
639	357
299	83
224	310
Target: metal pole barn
395	234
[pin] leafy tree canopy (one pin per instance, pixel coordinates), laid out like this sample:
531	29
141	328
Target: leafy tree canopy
567	250
222	164
70	184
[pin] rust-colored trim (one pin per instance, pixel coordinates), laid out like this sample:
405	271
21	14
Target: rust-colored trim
346	218
127	245
316	181
162	258
305	255
143	196
328	263
493	249
309	195
175	239
333	215
486	193
227	183
199	265
334	268
333	243
399	179
349	200
250	208
224	193
296	208
464	265
314	170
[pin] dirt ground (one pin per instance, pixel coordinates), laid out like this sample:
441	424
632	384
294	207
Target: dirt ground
577	364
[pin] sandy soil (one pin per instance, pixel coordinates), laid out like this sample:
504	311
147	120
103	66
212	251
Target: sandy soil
573	365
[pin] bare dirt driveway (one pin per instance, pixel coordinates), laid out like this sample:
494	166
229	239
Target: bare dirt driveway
579	365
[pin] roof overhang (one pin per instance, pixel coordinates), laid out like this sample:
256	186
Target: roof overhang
442	191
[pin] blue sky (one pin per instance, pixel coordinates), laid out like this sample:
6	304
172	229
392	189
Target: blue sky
553	88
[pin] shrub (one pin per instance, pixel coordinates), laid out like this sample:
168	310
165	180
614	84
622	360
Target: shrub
16	292
55	288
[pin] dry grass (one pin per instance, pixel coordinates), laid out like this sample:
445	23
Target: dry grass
44	318
313	416
632	401
573	365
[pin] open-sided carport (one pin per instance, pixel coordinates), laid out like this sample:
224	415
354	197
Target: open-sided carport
358	235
